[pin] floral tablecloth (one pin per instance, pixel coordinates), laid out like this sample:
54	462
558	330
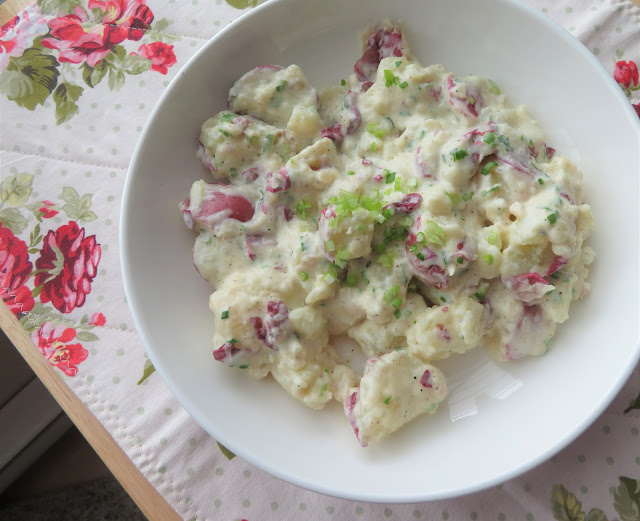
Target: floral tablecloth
78	79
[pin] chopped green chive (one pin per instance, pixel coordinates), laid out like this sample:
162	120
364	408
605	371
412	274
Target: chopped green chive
331	275
420	256
379	133
491	239
330	246
467	197
398	63
233	172
540	181
403	85
390	294
386	260
504	140
227	118
443	299
302	207
552	218
489	138
324	389
326	371
397	302
224	133
486	169
343	83
342	256
453	197
233	341
351	172
303	275
371	128
224	314
460	260
480	294
390	121
494	87
397	313
435	234
389	78
489	258
268	142
352	280
387	400
282	85
486	192
459	154
389	177
408	222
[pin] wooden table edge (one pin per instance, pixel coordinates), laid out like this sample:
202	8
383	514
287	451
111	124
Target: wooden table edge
10	8
148	499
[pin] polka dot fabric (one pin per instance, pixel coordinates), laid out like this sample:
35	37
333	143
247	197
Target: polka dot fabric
66	151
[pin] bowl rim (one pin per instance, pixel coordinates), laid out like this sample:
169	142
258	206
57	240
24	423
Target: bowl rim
255	459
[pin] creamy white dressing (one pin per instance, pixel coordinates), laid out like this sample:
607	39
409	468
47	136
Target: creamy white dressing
412	210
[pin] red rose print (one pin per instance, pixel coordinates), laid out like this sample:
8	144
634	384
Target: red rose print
626	74
69	263
53	343
80	39
46	211
15	269
97	319
20	300
19	32
637	108
160	54
78	44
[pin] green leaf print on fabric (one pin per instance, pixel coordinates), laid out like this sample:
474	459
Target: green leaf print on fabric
58	6
157	31
116	79
228	454
595	514
635	404
242	4
93	75
65	97
12	219
30	78
565	506
78	208
147	372
85	336
627	499
135	64
15	189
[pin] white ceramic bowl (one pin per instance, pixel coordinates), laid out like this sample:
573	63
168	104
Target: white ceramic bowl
510	417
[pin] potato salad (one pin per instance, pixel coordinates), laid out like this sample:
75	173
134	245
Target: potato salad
411	210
